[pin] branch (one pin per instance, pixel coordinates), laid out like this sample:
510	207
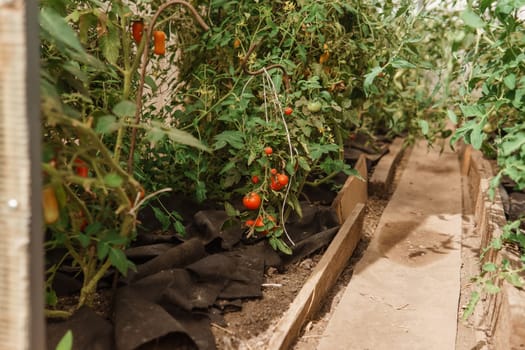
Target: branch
286	77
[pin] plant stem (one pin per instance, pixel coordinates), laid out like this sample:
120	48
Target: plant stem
145	60
89	287
57	314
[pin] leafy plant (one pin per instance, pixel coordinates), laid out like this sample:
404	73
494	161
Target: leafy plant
89	74
491	112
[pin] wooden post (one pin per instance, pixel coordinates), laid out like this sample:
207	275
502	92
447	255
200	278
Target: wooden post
21	248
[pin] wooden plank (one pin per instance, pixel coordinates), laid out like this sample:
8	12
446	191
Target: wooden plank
322	279
21	243
503	311
465	158
381	179
354	191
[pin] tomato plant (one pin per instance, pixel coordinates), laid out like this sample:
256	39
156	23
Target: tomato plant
111	99
90	77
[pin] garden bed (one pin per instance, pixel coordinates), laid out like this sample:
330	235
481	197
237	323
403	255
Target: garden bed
502	313
297	278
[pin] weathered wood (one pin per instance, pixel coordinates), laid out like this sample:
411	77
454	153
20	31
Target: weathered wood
503	312
323	277
354	191
21	248
381	180
465	156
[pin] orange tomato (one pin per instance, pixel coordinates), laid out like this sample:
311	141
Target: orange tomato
159	42
50	205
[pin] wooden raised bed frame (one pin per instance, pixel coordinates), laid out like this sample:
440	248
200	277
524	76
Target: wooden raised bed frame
502	313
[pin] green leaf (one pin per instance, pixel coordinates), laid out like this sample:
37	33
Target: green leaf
233	138
474	299
107	124
110	44
84	240
369	78
515	280
423	124
179	228
230	209
163	218
186	138
472	111
66	343
273	242
154	135
401	63
491	288
283	247
124	109
511	143
484	4
56	26
113	180
119	260
489	267
51	297
471	19
93	229
476	136
303	163
510	81
452	116
102	250
148	80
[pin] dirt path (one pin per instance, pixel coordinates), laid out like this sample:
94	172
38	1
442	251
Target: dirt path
404	292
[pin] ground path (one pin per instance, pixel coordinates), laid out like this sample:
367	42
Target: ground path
405	290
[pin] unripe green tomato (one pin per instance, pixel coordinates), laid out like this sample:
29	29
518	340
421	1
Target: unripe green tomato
488	128
314	106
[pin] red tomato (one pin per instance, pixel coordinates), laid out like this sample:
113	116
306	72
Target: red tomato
81	168
259	222
282	179
255	179
288	110
137	28
273	171
275	185
252	201
250	223
268	150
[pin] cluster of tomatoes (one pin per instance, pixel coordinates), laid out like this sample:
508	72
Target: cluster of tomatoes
159	37
252	201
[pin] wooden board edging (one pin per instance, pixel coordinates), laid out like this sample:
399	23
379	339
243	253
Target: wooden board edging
323	277
354	191
383	176
503	312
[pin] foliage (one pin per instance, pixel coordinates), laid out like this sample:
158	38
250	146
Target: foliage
491	112
198	118
88	69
